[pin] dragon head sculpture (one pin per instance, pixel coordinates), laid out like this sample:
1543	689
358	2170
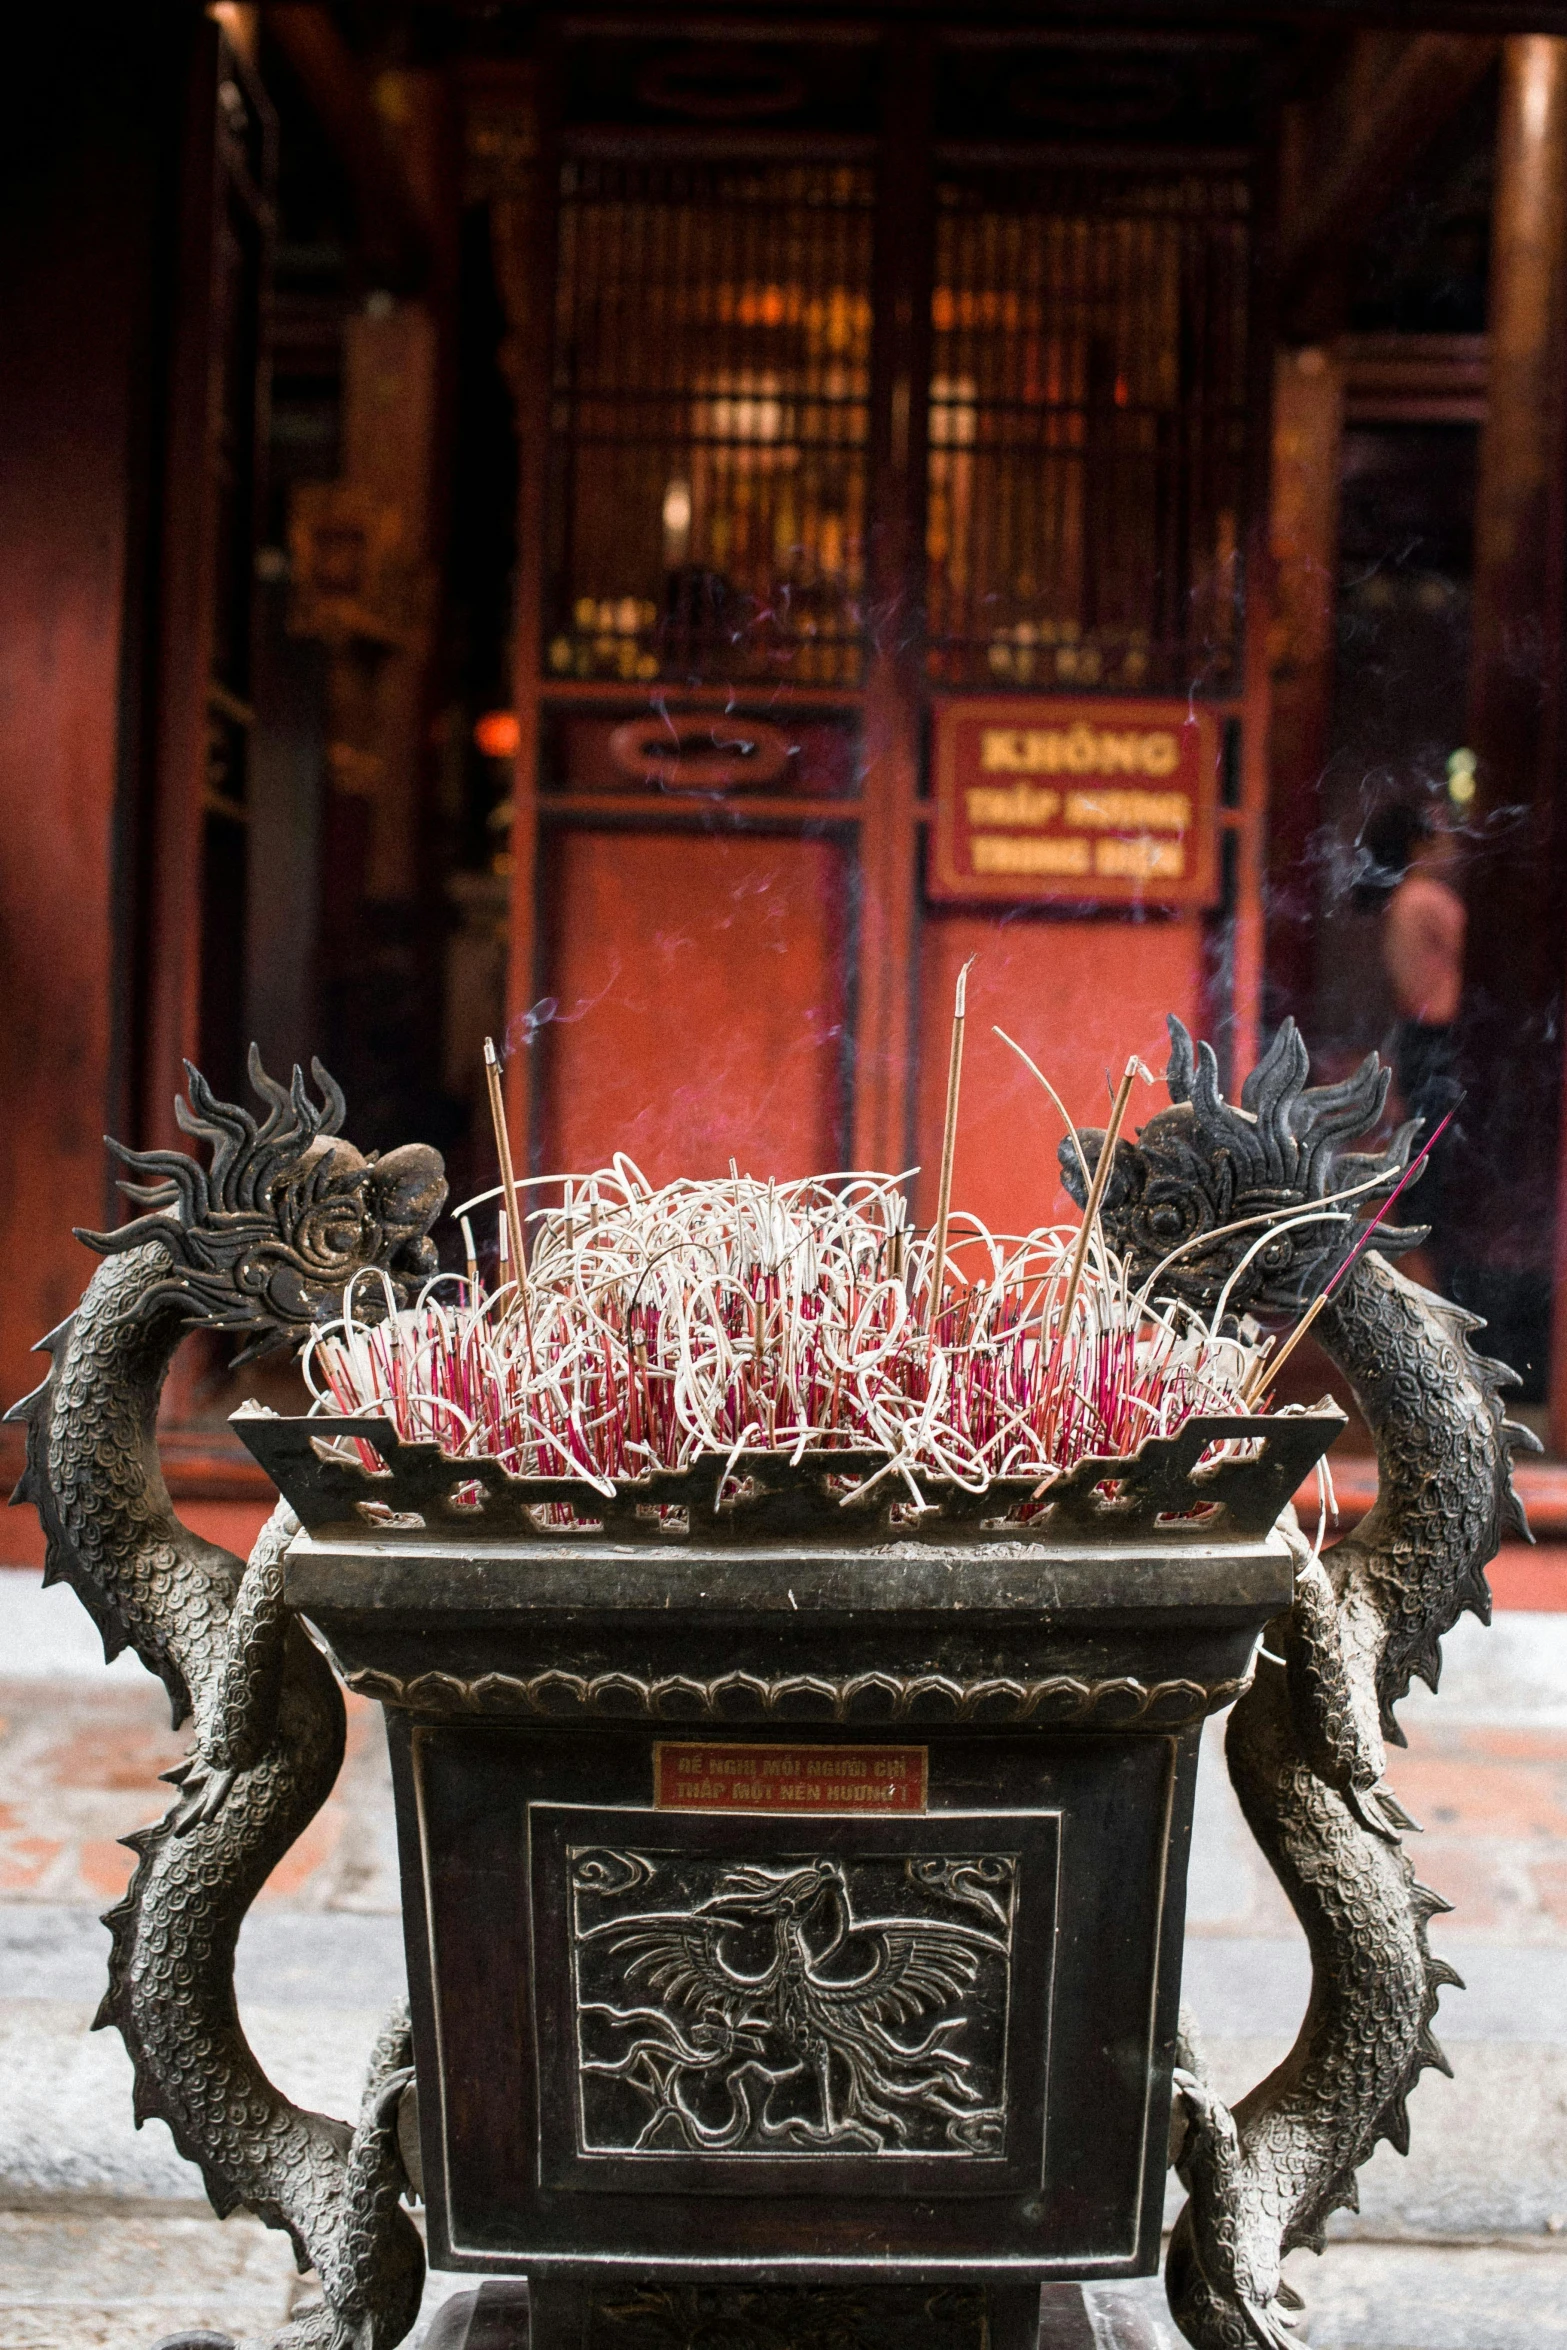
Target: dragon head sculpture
1204	1166
265	1238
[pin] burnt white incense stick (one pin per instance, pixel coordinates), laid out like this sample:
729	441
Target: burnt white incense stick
949	1139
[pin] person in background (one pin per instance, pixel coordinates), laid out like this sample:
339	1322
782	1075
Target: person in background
1413	862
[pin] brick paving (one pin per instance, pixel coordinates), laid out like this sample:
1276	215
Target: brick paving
80	1768
1492	1805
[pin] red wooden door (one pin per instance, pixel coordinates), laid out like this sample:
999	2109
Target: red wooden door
702	997
1079	997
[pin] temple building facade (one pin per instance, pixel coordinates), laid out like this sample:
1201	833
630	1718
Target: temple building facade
659	536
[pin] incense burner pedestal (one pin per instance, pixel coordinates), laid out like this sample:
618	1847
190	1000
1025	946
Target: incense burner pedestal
790	1918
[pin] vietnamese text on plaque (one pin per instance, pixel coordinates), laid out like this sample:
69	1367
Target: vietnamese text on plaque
1105	801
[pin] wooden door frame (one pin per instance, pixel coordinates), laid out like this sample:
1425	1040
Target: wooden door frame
890	813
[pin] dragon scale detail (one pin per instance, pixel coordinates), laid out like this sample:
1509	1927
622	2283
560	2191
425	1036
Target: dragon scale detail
261	1243
1305	1744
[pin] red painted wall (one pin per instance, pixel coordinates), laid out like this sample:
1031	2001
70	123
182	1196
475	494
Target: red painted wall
1079	997
701	999
701	989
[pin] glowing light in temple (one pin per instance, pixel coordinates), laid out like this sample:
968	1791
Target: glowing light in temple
497	734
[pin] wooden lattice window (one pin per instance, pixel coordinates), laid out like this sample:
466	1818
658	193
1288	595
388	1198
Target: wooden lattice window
1088	405
709	421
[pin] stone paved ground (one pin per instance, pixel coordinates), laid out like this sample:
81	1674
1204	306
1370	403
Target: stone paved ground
119	2280
106	2280
104	2239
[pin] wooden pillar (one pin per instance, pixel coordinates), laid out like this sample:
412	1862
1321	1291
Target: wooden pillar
1517	517
1308	419
91	123
377	687
890	759
1512	977
181	619
1238	1031
376	610
398	366
522	228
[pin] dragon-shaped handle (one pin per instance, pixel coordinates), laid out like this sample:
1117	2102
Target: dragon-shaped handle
1220	1194
262	1241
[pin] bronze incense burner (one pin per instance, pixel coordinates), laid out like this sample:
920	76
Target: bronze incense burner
785	1912
793	1894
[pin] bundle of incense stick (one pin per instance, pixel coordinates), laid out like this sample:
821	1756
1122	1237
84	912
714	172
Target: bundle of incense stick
653	1325
712	1317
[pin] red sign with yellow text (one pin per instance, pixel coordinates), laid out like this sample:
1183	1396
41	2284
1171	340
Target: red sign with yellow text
1099	801
821	1780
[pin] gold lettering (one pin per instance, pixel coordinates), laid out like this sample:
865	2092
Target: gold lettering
1140	860
1001	747
1120	754
1012	803
1120	810
1081	750
1001	852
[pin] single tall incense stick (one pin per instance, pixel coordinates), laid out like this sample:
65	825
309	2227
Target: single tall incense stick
1267	1369
949	1138
1061	1108
1123	1095
492	1079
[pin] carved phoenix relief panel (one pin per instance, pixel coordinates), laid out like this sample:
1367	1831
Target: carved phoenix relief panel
798	2004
